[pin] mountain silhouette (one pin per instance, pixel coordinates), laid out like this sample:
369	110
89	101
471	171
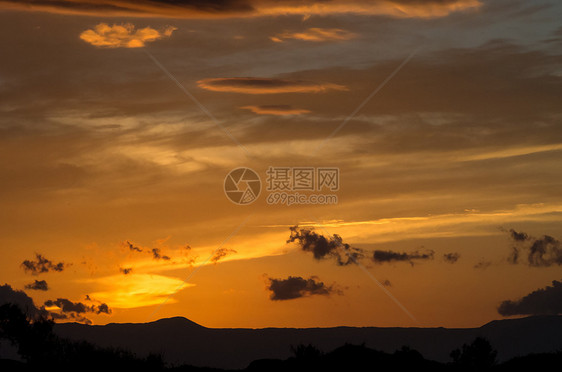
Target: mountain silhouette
181	341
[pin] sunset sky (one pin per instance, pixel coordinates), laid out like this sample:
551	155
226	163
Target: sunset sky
119	121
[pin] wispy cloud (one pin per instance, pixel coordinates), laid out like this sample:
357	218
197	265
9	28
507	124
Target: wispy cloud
254	85
316	35
135	290
276	110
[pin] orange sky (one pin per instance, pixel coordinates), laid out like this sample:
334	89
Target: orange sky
118	128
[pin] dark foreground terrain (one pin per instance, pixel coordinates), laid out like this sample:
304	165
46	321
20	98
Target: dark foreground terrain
40	344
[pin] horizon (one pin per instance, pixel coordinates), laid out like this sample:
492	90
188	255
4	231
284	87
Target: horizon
333	327
252	164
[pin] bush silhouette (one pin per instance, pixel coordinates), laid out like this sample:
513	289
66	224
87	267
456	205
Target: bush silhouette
40	347
478	356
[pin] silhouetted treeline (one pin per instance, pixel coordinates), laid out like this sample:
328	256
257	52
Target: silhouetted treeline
39	347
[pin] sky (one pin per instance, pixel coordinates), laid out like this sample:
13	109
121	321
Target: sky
120	122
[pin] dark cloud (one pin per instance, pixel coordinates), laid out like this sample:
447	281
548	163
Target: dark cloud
254	85
297	287
243	8
41	265
322	247
380	256
513	258
220	253
157	255
542	301
126	270
38	285
155	252
132	247
451	257
482	264
545	251
540	252
74	309
8	295
103	308
518	236
136	8
68	306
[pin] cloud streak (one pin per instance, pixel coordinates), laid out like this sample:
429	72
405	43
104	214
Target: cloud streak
254	85
381	256
315	35
276	110
246	8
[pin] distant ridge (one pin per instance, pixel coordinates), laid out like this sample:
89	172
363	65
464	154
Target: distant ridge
182	341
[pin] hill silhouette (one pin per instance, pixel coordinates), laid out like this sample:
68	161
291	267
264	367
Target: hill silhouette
181	341
39	348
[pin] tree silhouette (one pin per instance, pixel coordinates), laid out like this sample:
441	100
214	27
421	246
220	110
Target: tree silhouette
478	356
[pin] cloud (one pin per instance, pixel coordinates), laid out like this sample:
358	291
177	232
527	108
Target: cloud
541	252
221	253
380	256
542	301
321	247
41	265
297	287
254	85
132	247
451	257
38	285
277	110
316	35
246	8
123	36
157	255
